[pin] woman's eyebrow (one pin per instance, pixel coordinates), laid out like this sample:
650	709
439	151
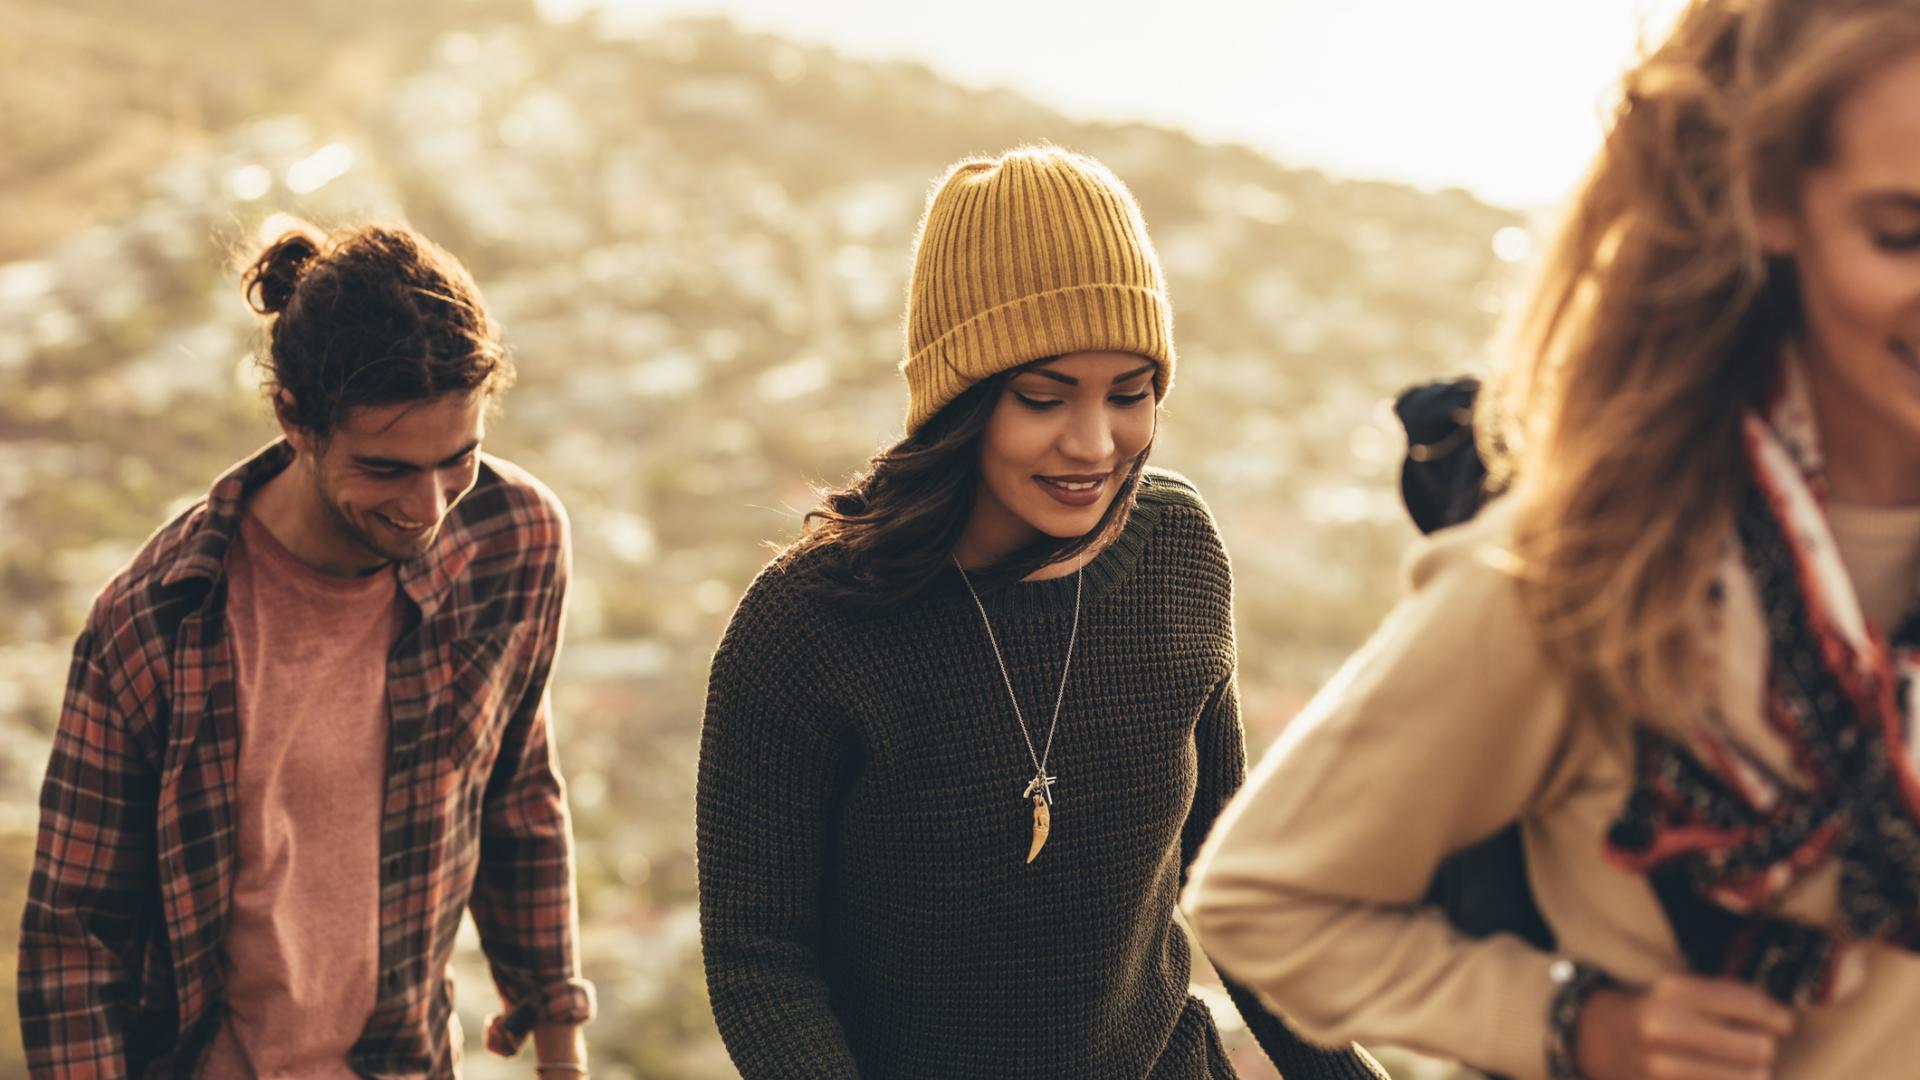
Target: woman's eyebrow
1071	381
1890	199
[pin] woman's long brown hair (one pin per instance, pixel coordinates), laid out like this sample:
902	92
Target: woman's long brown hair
1657	316
891	532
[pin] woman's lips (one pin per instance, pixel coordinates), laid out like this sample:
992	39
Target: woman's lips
1077	491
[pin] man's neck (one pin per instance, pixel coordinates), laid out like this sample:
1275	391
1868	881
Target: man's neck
287	507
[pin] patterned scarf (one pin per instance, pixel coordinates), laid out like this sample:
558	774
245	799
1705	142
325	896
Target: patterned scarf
1722	839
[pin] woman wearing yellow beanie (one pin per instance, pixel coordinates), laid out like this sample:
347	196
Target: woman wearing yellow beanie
962	739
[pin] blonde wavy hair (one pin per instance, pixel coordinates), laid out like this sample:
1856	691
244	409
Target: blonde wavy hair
1655	317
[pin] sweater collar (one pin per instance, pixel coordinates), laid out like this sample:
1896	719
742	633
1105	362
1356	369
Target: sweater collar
1055	596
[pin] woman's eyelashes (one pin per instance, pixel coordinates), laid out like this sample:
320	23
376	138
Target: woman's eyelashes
1894	232
1035	403
1042	404
1897	242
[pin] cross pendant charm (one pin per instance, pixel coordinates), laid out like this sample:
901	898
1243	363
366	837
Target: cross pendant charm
1041	783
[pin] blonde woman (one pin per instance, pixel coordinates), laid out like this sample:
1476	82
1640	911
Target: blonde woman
1679	649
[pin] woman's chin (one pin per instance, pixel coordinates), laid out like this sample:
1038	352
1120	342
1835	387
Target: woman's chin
1060	523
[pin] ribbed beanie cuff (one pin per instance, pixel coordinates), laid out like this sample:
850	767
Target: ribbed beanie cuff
1079	318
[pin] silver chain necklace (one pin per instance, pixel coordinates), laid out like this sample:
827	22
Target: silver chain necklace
1040	788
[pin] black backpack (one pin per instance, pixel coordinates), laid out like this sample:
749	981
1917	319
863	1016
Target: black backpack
1483	889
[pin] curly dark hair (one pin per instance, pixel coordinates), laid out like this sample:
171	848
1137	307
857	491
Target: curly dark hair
372	315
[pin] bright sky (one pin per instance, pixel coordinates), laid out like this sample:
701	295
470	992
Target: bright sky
1502	97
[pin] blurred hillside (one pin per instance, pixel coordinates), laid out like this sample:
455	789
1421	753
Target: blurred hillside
697	242
97	91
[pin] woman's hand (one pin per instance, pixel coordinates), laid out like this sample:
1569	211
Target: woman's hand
1681	1028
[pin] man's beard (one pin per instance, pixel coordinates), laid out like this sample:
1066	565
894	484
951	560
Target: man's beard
363	538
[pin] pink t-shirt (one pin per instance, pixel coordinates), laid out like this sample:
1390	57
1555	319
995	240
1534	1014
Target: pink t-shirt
303	939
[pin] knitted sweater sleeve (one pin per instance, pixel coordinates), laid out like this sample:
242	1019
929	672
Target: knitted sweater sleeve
1221	744
769	771
1446	726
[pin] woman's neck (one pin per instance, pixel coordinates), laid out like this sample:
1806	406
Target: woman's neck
990	539
1867	462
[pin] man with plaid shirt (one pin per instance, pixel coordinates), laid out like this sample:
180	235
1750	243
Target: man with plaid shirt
307	727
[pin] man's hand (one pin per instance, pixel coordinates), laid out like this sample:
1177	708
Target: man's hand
560	1044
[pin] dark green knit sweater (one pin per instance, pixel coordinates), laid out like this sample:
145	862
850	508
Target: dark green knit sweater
865	903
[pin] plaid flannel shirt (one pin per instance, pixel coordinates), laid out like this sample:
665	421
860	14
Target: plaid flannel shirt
121	958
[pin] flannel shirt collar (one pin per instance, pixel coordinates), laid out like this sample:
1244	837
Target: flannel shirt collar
426	578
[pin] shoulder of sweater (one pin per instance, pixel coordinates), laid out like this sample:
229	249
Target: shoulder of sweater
781	591
1176	500
1168	488
780	633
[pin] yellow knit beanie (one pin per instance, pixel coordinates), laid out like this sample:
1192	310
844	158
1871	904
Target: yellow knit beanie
1038	252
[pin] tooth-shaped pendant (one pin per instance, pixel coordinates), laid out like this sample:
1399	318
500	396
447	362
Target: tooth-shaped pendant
1042	824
